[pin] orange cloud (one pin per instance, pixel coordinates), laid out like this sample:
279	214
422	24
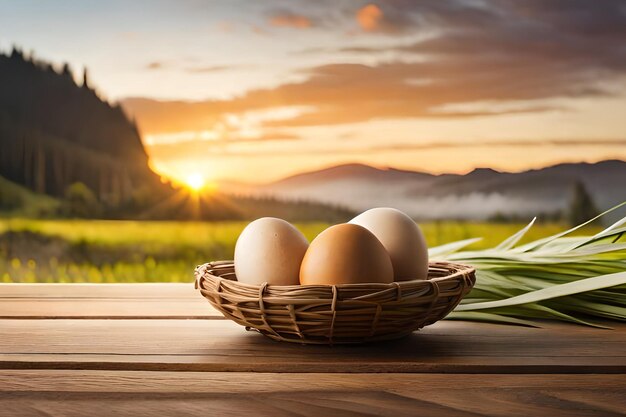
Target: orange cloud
370	17
473	62
155	65
291	20
186	148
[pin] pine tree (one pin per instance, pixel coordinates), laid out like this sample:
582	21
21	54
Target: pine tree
582	207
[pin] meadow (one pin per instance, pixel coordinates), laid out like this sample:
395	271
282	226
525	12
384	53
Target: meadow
142	251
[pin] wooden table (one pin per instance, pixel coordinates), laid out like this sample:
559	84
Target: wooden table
160	349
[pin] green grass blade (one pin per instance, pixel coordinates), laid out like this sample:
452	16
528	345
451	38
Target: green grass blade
489	318
512	240
579	286
605	234
541	242
449	248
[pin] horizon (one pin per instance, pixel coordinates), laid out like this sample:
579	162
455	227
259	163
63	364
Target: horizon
219	181
278	89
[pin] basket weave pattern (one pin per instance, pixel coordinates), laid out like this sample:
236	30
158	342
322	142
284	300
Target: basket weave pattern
328	314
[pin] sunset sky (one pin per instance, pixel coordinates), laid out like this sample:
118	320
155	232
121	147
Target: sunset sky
257	90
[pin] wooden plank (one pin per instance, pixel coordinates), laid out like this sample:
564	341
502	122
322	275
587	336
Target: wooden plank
220	345
132	291
110	301
200	393
258	382
151	308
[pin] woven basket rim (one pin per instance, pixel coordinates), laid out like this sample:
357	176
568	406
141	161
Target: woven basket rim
201	273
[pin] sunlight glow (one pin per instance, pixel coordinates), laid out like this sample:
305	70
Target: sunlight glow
195	181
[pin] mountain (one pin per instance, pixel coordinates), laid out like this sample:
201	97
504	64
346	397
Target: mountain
480	194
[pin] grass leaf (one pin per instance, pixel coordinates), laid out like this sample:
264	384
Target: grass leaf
451	247
489	318
541	242
560	277
512	241
555	291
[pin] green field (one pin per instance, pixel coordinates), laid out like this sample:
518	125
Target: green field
134	251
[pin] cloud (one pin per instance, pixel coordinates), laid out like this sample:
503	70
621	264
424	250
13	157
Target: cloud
187	149
155	65
311	51
159	65
290	20
209	68
370	17
194	147
524	143
259	30
359	49
215	68
499	52
387	17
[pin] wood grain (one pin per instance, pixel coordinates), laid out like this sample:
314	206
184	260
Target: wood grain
107	301
117	309
205	393
258	382
220	345
144	290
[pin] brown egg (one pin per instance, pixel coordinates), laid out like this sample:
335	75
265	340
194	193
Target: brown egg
346	254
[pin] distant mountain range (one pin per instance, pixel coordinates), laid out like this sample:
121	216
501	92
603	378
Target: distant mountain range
480	194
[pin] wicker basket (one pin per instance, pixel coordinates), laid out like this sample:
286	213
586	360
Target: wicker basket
333	314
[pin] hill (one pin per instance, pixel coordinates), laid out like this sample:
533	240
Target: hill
54	132
15	199
480	194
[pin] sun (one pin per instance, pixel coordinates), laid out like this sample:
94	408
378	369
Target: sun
195	181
